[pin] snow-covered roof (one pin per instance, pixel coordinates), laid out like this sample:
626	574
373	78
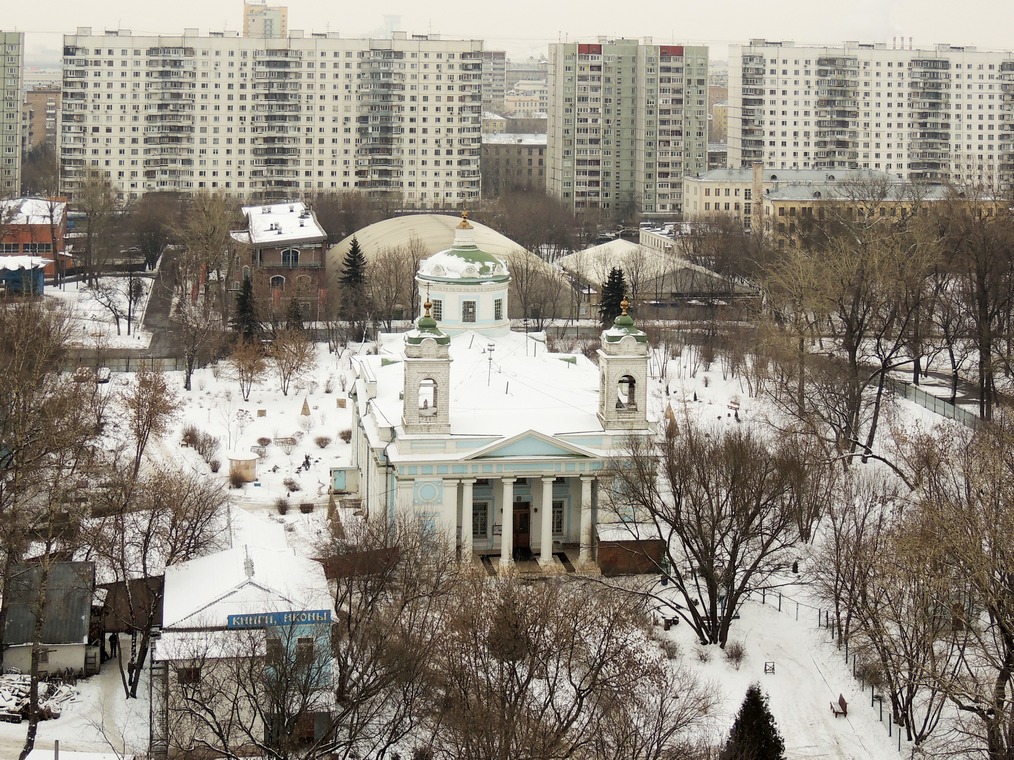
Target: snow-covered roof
464	260
280	223
31	211
14	263
593	264
528	139
518	387
427	232
241	580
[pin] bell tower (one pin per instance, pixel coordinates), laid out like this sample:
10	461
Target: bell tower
623	375
427	378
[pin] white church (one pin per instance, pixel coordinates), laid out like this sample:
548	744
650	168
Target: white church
481	433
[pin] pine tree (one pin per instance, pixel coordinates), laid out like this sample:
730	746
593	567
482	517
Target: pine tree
354	267
244	318
294	316
613	291
355	306
754	735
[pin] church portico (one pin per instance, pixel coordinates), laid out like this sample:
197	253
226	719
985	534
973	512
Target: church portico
486	439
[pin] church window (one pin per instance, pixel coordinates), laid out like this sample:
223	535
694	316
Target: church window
437	310
427	398
480	520
468	311
625	398
498	309
557	516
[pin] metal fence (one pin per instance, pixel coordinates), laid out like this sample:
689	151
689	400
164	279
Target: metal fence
936	405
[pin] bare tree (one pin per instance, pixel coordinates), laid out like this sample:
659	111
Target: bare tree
724	506
206	237
96	199
292	354
248	364
555	672
165	516
151	404
391	280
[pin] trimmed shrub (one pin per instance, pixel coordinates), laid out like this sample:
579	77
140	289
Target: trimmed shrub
282	505
323	441
263	441
346	435
291	484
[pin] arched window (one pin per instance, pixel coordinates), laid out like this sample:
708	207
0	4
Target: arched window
625	393
290	257
278	282
246	273
427	398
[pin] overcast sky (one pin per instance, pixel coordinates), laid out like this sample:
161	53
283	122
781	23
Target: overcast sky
524	27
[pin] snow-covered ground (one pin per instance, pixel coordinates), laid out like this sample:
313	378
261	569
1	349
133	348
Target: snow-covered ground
809	673
92	323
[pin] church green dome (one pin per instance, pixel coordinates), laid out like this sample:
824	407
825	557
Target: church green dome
463	261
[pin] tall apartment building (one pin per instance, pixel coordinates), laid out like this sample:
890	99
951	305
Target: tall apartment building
627	121
40	117
12	48
494	80
927	115
263	20
262	119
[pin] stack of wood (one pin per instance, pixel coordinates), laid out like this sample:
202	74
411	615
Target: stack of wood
14	701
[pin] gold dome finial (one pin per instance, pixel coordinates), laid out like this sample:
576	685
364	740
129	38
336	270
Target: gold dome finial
427	305
463	224
623	305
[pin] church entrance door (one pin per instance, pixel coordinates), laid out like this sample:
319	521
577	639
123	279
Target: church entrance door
522	527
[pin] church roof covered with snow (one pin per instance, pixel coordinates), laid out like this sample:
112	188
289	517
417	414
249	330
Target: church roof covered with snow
500	386
464	260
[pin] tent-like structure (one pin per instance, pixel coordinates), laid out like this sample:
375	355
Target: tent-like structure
650	275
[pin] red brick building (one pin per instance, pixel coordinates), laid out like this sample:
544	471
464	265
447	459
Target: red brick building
36	227
284	254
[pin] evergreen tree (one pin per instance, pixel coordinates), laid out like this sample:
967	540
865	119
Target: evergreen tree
244	318
354	267
294	316
613	292
754	735
354	307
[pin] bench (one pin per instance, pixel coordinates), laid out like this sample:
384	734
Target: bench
842	708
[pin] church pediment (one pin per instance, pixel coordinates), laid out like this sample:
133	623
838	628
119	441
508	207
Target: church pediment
530	445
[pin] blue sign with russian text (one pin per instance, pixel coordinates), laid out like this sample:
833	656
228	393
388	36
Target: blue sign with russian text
269	619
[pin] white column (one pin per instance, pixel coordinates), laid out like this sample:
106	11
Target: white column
586	519
449	515
466	519
546	551
507	523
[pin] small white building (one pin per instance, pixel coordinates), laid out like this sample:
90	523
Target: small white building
224	617
480	432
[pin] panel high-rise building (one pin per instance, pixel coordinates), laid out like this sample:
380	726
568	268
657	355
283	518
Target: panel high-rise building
627	119
12	48
274	118
930	115
263	20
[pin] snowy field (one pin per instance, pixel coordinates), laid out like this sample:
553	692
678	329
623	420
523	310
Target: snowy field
92	323
809	672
